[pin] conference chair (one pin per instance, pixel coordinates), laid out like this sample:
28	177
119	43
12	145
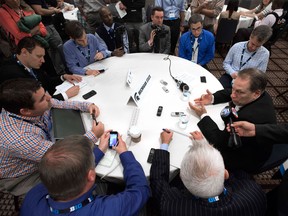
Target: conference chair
225	33
278	156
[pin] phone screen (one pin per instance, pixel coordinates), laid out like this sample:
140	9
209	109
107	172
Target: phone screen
113	140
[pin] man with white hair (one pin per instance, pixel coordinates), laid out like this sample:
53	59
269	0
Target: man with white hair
205	188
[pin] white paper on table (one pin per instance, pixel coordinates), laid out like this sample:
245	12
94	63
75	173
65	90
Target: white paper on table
66	85
108	158
176	151
121	13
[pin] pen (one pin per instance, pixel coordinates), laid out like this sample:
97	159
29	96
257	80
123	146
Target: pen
166	130
178	132
94	118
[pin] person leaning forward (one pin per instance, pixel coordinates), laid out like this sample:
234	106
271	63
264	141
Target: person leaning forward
67	171
25	126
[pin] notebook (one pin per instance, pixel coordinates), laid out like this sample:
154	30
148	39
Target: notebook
66	122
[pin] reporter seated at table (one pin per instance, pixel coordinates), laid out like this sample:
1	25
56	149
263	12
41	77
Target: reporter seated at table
197	45
25	131
277	199
253	103
154	36
204	187
230	13
82	49
247	54
259	12
114	34
67	171
27	64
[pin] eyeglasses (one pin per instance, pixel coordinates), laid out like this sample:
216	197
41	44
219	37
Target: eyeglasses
197	29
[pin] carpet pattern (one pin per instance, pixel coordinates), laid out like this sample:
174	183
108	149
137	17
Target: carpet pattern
277	74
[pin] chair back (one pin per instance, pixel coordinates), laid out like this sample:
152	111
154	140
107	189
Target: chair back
226	30
278	156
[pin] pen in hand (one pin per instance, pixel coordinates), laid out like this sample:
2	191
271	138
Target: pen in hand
94	118
166	130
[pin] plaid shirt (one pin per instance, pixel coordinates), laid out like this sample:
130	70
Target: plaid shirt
24	140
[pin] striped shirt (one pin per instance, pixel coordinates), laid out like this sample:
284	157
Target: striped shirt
24	140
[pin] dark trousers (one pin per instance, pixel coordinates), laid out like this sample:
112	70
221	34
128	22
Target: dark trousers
226	81
175	31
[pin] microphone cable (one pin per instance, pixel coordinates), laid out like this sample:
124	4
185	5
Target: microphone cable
179	83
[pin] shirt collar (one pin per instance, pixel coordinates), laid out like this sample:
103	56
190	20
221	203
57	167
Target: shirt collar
108	28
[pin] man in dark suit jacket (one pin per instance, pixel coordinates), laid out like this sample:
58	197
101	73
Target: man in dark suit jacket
253	104
114	34
26	64
204	188
269	133
155	36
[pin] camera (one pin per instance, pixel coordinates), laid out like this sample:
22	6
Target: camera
113	139
120	30
159	30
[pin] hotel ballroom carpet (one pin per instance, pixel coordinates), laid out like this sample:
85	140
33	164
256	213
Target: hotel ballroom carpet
277	73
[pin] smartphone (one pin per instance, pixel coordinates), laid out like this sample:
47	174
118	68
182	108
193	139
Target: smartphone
203	79
113	139
150	156
102	70
159	111
89	94
176	114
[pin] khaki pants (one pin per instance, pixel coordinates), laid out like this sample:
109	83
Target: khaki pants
20	185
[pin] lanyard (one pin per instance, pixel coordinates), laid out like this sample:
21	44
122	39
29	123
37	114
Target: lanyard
88	53
242	65
78	206
49	126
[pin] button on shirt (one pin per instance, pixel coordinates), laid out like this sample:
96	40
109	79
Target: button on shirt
24	139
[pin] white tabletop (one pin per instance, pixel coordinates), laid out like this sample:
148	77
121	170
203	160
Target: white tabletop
113	94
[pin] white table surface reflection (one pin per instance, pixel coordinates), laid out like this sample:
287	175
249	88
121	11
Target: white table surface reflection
113	94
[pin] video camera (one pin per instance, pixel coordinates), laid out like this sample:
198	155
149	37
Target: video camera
120	30
159	30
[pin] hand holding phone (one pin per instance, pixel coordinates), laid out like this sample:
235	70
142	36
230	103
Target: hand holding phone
113	139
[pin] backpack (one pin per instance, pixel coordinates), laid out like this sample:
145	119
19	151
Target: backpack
279	26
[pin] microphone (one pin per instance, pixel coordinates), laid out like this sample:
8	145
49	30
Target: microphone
180	83
226	114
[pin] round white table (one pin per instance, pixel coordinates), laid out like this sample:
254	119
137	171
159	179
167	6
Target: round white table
113	94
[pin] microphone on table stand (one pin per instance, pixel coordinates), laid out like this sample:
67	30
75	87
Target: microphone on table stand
227	114
180	83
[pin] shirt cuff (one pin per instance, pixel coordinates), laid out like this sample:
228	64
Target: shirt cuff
203	115
62	78
164	146
65	96
91	136
212	99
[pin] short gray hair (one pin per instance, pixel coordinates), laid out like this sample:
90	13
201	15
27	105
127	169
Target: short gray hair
262	33
202	170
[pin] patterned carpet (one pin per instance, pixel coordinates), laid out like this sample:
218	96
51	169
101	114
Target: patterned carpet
277	73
